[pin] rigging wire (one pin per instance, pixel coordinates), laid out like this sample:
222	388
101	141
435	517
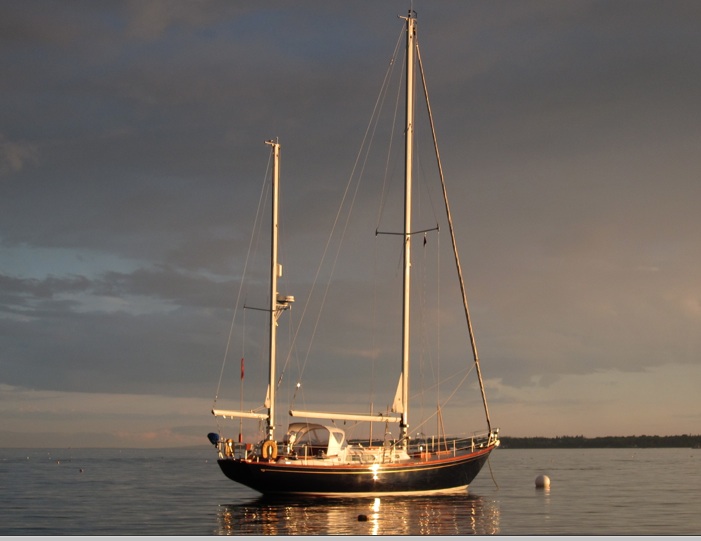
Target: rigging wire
368	135
397	103
447	400
243	276
455	249
383	192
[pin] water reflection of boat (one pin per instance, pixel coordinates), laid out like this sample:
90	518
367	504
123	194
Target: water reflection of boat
317	459
390	515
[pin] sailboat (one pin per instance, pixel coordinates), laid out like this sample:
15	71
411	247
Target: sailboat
317	459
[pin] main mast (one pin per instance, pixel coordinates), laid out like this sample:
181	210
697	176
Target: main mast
408	152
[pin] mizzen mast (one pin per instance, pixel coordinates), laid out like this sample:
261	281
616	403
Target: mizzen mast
277	305
274	273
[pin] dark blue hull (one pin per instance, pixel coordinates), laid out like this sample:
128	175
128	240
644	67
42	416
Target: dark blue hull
415	477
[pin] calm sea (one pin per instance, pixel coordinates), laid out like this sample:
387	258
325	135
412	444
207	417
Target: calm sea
182	492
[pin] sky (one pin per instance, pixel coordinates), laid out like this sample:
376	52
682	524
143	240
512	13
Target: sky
132	157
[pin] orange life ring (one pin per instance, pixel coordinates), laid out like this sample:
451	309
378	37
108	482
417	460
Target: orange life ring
229	448
269	450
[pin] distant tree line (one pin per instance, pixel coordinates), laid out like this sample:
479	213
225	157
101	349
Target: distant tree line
580	442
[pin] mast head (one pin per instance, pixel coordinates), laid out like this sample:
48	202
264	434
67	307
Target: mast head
411	16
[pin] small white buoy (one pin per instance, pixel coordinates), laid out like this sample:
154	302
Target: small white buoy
542	481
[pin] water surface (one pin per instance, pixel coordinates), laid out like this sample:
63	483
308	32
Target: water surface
183	492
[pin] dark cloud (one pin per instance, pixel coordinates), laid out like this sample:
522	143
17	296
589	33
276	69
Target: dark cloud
131	144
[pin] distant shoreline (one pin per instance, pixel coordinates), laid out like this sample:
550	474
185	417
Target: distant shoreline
507	442
604	442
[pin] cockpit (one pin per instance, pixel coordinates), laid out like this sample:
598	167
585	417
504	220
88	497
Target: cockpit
314	440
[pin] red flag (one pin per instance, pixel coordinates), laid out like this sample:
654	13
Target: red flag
241	367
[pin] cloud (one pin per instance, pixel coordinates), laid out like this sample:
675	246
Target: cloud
100	419
132	161
600	403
